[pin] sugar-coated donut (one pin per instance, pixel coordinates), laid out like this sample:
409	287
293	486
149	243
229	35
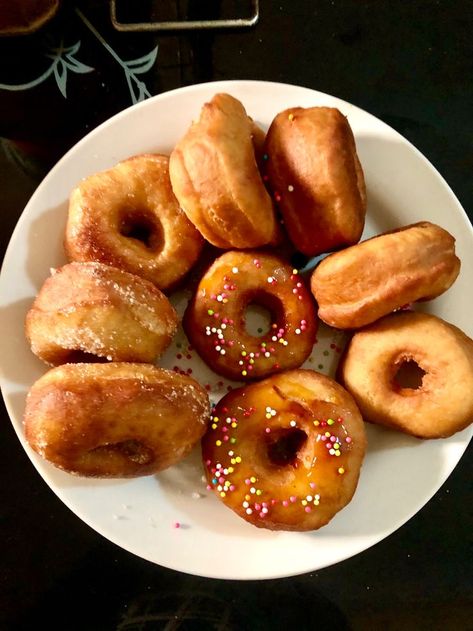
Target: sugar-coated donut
356	286
412	372
285	453
102	311
316	178
114	420
215	318
128	217
215	177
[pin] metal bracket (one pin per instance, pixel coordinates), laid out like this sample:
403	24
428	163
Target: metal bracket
184	25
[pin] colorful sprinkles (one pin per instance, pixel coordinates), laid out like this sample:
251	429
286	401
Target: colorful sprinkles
226	477
182	358
221	329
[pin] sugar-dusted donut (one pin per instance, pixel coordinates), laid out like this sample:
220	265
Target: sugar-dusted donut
215	318
412	372
100	311
285	453
128	217
316	178
356	286
215	177
114	420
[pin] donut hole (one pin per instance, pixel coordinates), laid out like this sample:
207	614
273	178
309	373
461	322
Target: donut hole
133	450
140	226
283	445
261	311
409	375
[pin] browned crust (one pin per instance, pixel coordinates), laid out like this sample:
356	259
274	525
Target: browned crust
215	177
358	285
137	189
102	311
251	285
297	396
114	420
442	405
316	178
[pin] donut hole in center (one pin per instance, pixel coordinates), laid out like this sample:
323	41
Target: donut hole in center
140	226
133	450
409	375
284	444
261	311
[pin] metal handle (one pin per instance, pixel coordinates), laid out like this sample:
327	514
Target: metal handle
185	25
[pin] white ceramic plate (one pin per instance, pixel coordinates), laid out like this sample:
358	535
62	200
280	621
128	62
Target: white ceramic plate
400	473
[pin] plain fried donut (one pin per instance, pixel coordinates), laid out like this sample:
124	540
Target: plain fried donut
358	285
114	420
412	372
316	178
215	318
215	177
285	453
128	217
101	311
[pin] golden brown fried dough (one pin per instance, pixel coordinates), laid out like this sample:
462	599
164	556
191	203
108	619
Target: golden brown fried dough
128	217
215	177
101	311
412	372
316	178
358	285
285	453
215	318
114	420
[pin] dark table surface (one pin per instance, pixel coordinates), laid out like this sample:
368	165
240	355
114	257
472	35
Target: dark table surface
410	64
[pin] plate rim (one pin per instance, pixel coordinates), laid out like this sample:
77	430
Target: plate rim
216	86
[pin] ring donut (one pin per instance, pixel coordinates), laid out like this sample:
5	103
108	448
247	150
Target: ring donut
412	372
215	177
316	178
128	217
114	420
356	286
215	318
96	311
285	453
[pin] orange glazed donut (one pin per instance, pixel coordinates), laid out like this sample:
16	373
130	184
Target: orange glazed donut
114	420
215	177
128	217
215	318
412	372
358	285
316	178
285	453
101	311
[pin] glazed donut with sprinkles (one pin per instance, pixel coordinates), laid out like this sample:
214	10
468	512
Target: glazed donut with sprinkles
285	453
215	319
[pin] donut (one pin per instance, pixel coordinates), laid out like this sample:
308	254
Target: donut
215	177
285	453
215	317
114	420
358	285
316	178
91	311
128	217
412	372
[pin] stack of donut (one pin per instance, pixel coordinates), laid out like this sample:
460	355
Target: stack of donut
285	450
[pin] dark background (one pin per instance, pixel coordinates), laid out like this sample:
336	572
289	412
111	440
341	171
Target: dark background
410	64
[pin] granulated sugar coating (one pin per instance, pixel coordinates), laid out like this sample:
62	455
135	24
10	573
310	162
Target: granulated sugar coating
101	311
